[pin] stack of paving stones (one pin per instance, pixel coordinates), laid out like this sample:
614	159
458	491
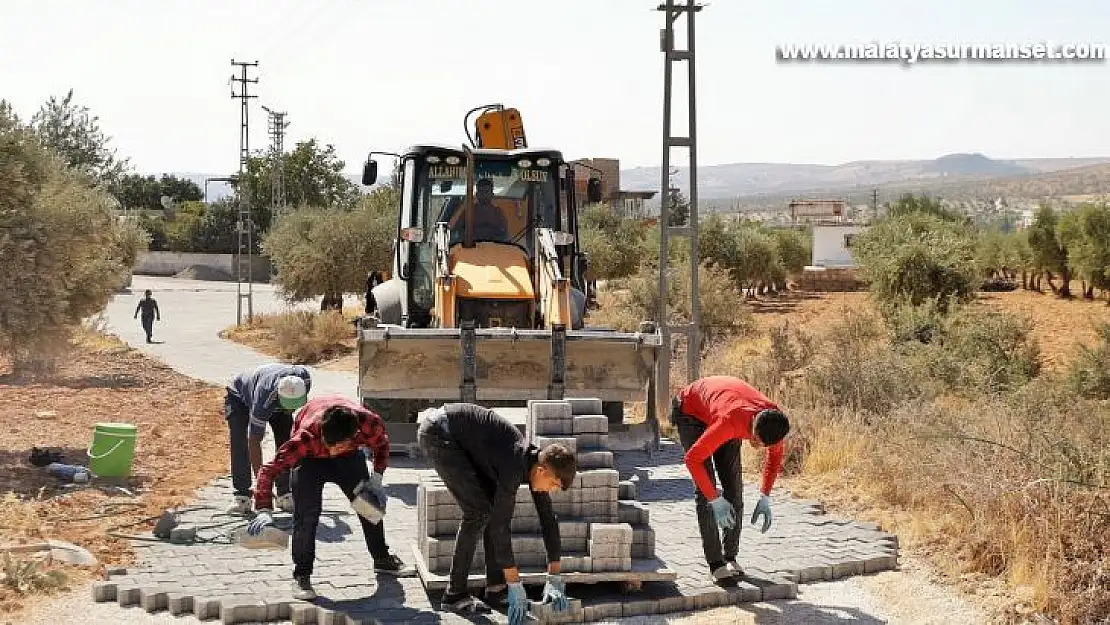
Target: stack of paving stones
604	537
217	581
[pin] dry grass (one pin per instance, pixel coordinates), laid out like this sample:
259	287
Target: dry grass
298	336
181	435
975	450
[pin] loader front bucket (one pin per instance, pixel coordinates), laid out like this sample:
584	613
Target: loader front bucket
504	364
402	370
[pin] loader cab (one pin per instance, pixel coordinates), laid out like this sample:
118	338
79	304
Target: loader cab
515	192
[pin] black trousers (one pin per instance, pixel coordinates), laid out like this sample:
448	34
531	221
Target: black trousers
727	462
238	420
309	477
148	326
473	493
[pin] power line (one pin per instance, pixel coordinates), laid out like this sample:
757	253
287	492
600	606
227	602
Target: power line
245	225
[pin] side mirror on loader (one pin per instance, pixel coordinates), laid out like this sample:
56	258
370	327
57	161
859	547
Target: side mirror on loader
593	190
370	173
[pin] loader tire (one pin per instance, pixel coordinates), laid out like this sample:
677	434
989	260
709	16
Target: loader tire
614	410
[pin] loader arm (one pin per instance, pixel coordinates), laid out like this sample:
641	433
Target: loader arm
446	282
552	285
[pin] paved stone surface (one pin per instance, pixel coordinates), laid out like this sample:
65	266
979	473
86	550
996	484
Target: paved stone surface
214	579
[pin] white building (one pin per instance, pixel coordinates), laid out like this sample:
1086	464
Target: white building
832	245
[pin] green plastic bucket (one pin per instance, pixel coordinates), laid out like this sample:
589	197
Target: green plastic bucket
113	449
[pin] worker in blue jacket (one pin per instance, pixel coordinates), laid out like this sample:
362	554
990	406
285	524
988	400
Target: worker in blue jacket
266	395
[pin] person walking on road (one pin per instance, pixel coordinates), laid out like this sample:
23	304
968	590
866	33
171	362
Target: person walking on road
325	447
713	416
266	395
483	459
148	306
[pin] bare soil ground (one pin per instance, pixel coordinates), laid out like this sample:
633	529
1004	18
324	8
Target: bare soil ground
181	446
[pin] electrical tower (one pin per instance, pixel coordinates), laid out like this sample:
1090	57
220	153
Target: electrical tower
671	56
276	129
245	225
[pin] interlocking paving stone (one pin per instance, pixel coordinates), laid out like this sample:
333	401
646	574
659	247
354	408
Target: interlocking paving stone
802	546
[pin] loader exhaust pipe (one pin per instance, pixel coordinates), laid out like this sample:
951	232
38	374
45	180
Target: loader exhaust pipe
468	207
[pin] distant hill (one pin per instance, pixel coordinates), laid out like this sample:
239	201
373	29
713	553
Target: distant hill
724	184
747	179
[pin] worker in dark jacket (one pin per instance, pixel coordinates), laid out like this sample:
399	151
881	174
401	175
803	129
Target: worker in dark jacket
266	395
713	416
148	306
483	459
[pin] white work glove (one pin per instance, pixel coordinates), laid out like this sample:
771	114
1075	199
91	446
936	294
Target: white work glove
369	502
763	509
376	480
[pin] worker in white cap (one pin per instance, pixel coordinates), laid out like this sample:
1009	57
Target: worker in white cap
267	395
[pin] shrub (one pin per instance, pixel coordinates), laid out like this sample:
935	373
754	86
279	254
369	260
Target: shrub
1089	373
308	337
65	252
722	310
916	257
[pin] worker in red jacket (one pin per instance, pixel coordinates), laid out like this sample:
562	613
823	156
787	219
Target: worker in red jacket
713	416
328	435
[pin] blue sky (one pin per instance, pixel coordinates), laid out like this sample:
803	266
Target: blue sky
586	75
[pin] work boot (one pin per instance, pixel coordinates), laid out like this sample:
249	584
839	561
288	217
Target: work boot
392	565
464	605
737	570
302	588
721	572
285	502
243	505
497	598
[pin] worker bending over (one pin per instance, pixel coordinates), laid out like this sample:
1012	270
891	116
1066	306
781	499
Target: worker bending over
266	395
327	435
483	459
713	416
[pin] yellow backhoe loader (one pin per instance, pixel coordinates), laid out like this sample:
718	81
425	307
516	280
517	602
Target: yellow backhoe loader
487	300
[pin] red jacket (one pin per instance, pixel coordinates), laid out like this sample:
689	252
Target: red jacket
307	441
727	405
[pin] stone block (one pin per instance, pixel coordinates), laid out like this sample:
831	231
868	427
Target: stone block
104	591
643	552
632	512
570	442
550	427
152	599
620	533
815	574
575	529
626	490
591	424
302	614
639	607
600	478
610	550
592	441
847	568
595	460
584	406
127	595
179	603
608	611
877	563
205	608
549	410
242	611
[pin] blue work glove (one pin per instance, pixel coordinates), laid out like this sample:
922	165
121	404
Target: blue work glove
555	592
763	508
518	604
261	521
723	512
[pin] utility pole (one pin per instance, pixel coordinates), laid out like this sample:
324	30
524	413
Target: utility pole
276	128
245	224
673	12
874	204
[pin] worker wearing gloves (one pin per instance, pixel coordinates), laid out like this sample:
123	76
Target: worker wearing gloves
713	416
483	459
325	447
266	395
